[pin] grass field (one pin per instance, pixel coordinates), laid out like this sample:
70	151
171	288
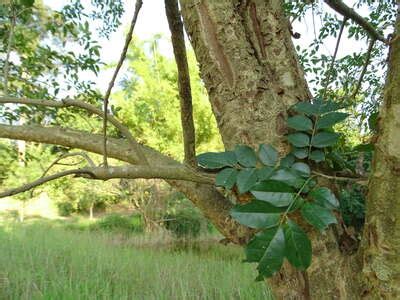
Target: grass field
45	261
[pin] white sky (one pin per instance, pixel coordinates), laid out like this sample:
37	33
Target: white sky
152	21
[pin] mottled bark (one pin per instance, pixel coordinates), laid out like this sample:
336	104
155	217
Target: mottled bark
380	250
249	66
251	72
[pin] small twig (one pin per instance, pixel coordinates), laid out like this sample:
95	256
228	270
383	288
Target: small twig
41	181
167	172
328	77
346	11
360	180
185	94
86	106
114	77
65	155
8	52
364	70
70	154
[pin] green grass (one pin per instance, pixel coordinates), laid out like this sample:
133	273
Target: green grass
40	261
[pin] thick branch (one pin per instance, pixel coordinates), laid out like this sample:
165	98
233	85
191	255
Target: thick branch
185	94
214	205
86	106
128	171
114	77
340	7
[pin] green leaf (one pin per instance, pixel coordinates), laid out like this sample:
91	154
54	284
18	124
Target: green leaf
246	156
364	147
257	214
298	246
287	161
274	192
268	155
330	119
306	108
264	173
246	179
299	139
300	122
216	160
324	139
300	152
317	107
299	202
226	178
272	259
27	3
317	155
303	168
317	216
289	177
324	197
325	106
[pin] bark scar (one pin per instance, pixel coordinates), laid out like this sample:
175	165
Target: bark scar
257	28
216	49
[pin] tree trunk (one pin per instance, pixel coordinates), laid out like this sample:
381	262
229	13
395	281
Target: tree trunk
251	72
91	211
380	249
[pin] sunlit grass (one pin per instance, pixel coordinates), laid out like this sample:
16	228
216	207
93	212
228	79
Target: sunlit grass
40	261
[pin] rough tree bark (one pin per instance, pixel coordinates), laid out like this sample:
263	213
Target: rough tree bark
380	247
250	69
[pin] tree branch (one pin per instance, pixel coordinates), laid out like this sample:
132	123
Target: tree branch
185	93
8	52
328	77
204	196
128	171
364	69
359	180
86	106
114	77
69	154
340	7
40	181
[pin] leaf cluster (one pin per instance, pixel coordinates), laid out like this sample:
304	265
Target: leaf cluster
282	189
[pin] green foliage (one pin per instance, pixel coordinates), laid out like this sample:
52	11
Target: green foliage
116	222
268	155
298	246
65	209
149	101
352	206
285	191
183	223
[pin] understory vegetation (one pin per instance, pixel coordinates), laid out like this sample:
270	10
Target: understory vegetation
47	260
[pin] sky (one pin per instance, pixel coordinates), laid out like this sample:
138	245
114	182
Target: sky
152	20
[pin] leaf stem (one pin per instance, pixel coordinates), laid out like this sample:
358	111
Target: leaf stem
284	216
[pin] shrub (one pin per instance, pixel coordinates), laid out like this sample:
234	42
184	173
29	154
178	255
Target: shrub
184	223
65	209
117	222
